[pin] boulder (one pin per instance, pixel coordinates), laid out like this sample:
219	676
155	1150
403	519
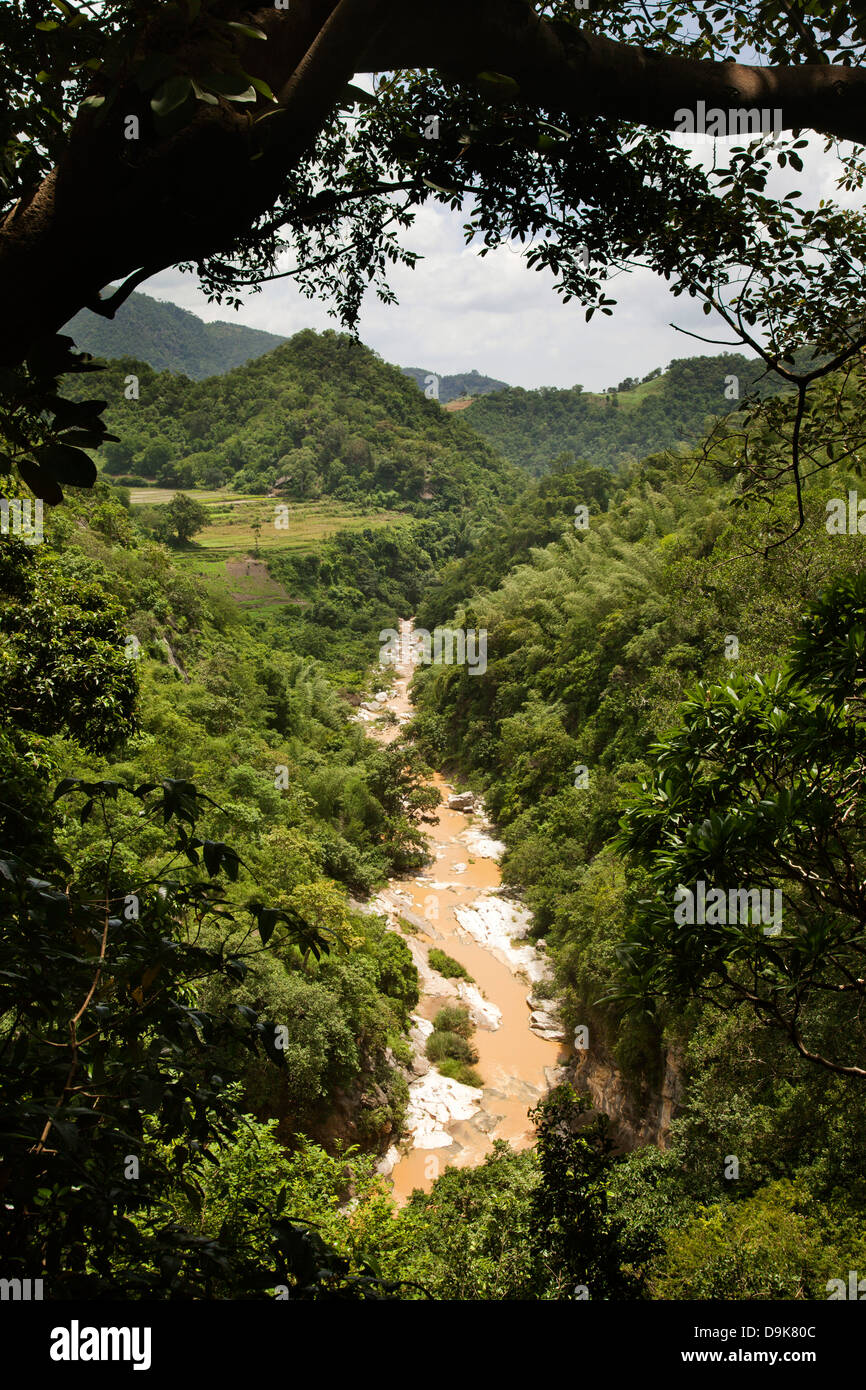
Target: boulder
546	1023
461	801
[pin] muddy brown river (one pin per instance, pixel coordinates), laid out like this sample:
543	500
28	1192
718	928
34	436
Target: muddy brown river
456	903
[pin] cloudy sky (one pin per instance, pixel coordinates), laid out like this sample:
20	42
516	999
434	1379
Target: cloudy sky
457	312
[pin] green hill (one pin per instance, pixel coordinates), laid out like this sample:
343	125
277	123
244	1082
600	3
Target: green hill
321	416
456	387
533	428
169	338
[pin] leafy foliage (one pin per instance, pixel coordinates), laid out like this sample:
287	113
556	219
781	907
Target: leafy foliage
537	429
321	416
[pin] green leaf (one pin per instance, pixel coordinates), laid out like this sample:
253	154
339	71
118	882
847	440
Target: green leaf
246	29
202	95
355	96
235	86
66	785
41	484
440	188
170	95
267	918
262	88
498	86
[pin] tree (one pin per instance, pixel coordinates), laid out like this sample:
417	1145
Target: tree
186	516
576	1238
758	795
126	121
112	1089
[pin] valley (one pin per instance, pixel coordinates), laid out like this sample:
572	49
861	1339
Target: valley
425	966
457	903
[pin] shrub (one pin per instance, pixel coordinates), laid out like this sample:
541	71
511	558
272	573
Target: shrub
454	1020
441	1045
460	1071
448	966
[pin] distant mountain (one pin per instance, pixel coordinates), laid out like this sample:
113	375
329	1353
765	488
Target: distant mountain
169	339
320	416
534	428
455	388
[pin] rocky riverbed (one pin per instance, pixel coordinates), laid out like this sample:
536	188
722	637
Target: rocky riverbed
459	905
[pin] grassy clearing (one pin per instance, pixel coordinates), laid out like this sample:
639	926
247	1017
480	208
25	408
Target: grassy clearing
244	524
243	527
628	400
233	525
156	496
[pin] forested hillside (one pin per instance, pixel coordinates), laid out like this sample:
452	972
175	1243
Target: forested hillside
320	416
535	428
267	812
615	778
229	812
169	339
455	387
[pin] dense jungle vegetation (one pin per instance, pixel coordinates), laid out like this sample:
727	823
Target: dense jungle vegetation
533	428
321	416
600	637
203	1027
169	339
221	812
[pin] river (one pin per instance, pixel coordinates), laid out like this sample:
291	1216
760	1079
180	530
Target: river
458	905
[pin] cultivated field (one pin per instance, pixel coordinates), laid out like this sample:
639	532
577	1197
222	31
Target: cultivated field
244	526
241	523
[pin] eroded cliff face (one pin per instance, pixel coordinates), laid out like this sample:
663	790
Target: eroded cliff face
636	1120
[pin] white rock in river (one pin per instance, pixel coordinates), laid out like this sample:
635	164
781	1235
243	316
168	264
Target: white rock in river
388	1162
546	1023
493	923
461	801
430	982
436	1102
482	1012
482	845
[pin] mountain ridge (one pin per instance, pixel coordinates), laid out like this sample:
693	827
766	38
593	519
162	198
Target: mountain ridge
169	338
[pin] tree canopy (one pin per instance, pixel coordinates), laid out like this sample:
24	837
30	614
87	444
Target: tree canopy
139	136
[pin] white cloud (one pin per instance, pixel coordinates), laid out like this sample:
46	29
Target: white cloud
458	311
